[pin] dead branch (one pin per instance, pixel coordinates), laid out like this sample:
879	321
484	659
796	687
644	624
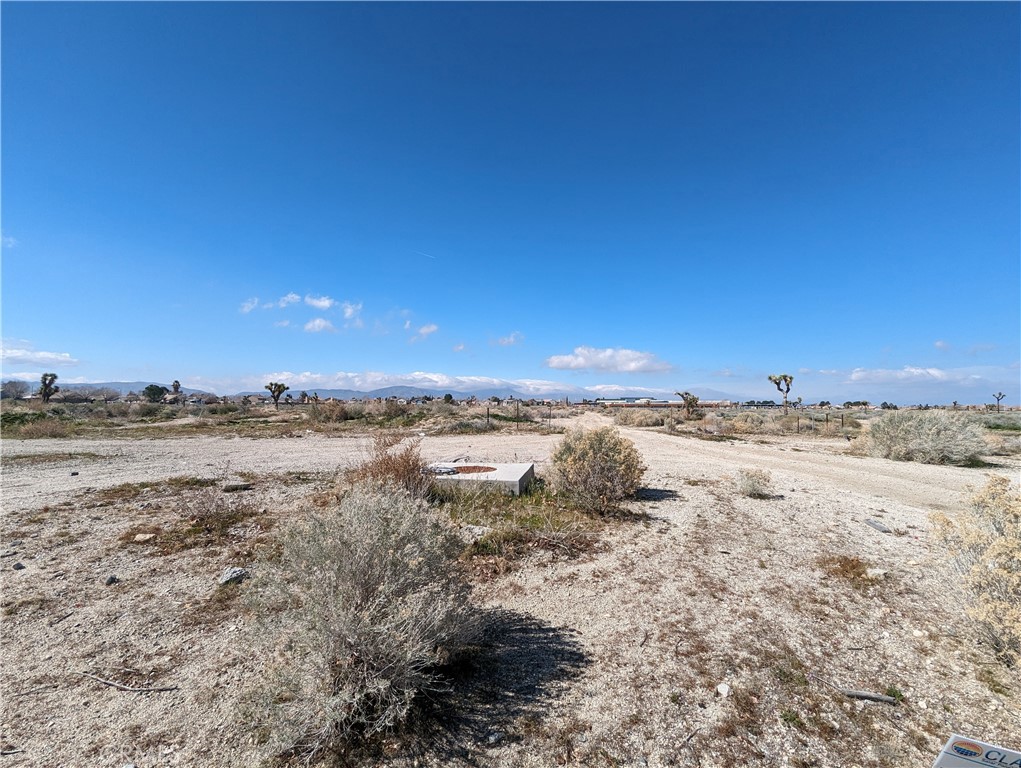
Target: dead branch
39	689
128	687
866	695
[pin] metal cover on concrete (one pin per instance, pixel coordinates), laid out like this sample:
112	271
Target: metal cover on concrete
513	478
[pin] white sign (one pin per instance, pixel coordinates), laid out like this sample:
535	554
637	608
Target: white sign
962	752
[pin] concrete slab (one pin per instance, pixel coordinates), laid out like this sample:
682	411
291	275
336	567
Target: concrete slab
512	478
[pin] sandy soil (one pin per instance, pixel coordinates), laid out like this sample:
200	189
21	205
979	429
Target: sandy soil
613	658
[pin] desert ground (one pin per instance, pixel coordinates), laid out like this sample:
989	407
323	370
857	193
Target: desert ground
703	628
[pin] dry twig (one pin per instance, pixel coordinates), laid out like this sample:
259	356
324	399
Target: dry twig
128	687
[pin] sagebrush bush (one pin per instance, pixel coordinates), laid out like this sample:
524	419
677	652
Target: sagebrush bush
755	483
394	460
358	613
638	417
41	429
747	422
334	412
598	468
930	437
985	541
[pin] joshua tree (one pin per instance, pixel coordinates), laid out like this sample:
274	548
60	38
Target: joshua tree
276	389
784	379
176	386
690	402
999	396
47	389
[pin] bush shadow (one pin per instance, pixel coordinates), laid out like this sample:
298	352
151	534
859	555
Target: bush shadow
657	494
518	667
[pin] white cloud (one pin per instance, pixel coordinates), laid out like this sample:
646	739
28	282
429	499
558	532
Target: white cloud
908	373
459	347
24	355
609	359
9	242
318	325
249	305
508	341
291	298
319	302
425	332
407	325
352	314
617	390
940	344
282	323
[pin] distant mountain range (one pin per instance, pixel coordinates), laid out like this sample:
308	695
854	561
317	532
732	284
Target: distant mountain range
407	393
124	387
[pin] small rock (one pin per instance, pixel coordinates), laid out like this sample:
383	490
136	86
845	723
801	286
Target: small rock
74	474
875	574
919	633
234	575
111	580
495	737
144	537
235	487
723	689
16	543
19	566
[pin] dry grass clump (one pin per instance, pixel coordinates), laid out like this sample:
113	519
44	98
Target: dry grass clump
929	437
394	460
334	412
755	484
359	613
509	526
986	544
748	422
597	468
638	417
40	429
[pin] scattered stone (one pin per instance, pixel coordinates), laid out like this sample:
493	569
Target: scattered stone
875	574
111	580
19	566
919	633
234	575
723	689
878	526
16	543
495	737
74	474
141	538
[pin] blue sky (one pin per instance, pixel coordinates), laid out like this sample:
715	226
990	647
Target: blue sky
597	198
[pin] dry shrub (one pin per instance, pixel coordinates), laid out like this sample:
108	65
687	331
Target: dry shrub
747	422
43	428
638	417
359	612
755	483
394	460
986	544
930	437
334	412
598	468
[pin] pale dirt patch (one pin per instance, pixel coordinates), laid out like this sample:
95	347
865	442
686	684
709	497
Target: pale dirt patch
611	659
